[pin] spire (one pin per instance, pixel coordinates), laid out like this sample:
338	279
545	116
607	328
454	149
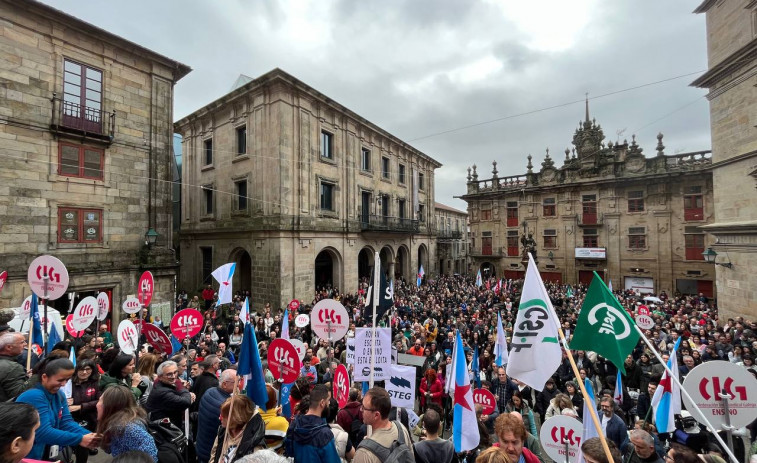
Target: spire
587	107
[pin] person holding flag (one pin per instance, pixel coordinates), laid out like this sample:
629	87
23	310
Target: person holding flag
666	401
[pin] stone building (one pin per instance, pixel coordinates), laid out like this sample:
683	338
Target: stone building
300	192
731	79
609	208
86	155
451	239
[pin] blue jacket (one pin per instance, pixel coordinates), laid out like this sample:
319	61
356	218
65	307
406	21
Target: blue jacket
616	430
56	427
208	422
310	439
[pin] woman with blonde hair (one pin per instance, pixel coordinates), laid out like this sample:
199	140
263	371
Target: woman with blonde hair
146	369
241	433
559	403
493	455
123	423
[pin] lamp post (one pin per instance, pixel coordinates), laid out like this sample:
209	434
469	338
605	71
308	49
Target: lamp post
710	255
151	236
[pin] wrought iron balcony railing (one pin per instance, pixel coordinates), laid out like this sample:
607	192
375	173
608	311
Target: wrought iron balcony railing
389	224
76	119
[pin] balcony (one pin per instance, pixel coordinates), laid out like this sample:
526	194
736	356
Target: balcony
71	119
380	223
590	220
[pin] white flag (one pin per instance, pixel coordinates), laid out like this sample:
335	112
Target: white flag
223	275
535	351
500	346
244	314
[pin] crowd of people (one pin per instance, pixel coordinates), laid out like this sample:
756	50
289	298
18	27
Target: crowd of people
183	407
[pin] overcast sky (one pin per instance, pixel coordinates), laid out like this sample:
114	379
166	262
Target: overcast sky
420	67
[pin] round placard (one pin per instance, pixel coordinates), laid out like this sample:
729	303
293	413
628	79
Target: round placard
131	305
56	273
103	306
329	320
85	313
341	385
127	336
708	381
558	431
301	320
486	399
157	338
145	288
294	305
26	309
645	322
186	323
3	279
283	360
70	327
300	347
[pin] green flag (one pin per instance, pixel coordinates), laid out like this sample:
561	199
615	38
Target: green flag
604	326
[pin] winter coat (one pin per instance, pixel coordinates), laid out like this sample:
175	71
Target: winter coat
346	415
434	388
203	383
107	381
12	378
310	440
166	401
208	422
86	394
253	438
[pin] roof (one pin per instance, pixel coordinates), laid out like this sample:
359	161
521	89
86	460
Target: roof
444	207
180	70
280	75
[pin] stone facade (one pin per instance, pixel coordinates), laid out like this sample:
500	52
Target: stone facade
286	182
86	122
452	239
608	209
732	82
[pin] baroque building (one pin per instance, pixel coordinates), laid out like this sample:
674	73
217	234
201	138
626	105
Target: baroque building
300	192
731	79
86	155
609	208
451	239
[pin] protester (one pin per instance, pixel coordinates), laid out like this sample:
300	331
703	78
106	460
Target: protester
276	426
123	424
85	394
376	407
18	427
344	446
612	425
166	401
121	371
593	452
512	437
209	411
242	431
642	448
12	375
309	438
433	449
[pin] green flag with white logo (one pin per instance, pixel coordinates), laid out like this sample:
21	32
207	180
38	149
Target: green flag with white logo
604	326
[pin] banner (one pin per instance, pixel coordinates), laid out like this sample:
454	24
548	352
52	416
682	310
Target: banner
383	358
401	386
350	351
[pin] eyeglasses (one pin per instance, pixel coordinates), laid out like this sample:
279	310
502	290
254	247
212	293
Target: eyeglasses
372	410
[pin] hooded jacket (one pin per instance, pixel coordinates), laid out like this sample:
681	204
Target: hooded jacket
309	439
253	438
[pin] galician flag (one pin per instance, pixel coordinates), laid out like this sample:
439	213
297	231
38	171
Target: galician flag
223	275
498	286
421	273
285	325
464	423
604	326
500	345
666	401
475	368
478	279
535	352
244	314
618	395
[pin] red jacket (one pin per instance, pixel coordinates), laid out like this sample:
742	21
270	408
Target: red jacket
207	294
435	390
527	454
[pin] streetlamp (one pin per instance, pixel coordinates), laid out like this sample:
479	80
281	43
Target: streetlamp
710	255
151	237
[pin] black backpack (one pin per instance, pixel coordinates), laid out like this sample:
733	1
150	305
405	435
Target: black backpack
170	441
356	430
398	452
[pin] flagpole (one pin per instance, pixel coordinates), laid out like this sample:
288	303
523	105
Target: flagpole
375	297
686	394
29	347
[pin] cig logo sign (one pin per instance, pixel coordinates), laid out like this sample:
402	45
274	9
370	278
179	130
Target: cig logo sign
714	386
50	271
326	316
565	436
282	355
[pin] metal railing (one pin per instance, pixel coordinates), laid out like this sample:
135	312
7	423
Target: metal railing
72	117
389	224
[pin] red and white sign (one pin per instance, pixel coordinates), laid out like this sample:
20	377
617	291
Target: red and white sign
56	273
145	288
556	432
103	306
283	360
645	322
26	309
157	338
708	381
300	347
329	320
131	305
294	305
341	385
3	279
85	313
186	323
643	310
301	320
127	336
70	327
486	399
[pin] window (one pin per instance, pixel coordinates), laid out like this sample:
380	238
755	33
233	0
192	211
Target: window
512	213
421	180
421	213
327	196
208	197
694	243
550	238
207	263
637	237
385	205
80	161
635	201
365	163
208	148
402	174
591	240
486	245
77	225
401	208
327	145
486	214
241	140
241	187
512	243
548	207
589	205
82	97
693	202
385	167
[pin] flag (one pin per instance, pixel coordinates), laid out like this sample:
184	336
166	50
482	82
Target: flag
500	345
475	369
52	339
464	423
251	369
286	405
223	275
535	353
497	287
285	325
67	388
478	279
609	285
666	401
618	395
421	274
37	337
244	314
589	430
604	326
175	345
569	293
386	298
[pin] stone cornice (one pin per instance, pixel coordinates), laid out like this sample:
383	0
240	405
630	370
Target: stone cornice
741	58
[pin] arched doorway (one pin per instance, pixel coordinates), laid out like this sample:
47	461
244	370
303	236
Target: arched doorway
387	261
327	269
364	263
488	270
402	263
242	280
423	258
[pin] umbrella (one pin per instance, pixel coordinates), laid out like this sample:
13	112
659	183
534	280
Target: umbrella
653	299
